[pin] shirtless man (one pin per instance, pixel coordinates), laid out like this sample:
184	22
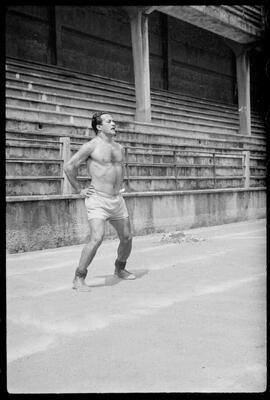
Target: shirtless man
103	199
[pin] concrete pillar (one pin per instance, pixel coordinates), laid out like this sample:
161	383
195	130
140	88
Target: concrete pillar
243	85
140	51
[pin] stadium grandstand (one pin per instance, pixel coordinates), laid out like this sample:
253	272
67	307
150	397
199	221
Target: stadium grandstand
185	85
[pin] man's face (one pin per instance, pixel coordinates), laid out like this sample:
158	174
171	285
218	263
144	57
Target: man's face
108	124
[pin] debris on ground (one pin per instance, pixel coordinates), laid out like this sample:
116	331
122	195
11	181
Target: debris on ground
180	237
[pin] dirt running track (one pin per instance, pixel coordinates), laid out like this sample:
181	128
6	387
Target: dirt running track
194	320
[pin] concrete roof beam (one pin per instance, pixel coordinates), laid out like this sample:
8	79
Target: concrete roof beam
214	19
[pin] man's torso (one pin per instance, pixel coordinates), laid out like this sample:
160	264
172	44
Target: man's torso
105	166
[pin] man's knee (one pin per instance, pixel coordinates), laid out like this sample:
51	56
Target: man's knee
126	238
96	239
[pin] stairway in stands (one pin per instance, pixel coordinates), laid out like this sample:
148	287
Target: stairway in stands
191	143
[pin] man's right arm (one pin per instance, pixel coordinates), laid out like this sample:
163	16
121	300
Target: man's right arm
71	167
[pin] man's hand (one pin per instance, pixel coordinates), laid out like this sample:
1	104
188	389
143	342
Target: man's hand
87	192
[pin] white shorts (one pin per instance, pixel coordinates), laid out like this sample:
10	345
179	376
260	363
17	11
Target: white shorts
104	206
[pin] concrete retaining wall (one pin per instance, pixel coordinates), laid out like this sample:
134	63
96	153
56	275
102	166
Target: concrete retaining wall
46	222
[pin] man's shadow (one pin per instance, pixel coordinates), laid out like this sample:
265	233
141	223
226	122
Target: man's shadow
111	280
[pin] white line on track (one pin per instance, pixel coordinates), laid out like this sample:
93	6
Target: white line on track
96	281
190	259
100	258
153	304
229	285
251	237
229	235
74	261
29	348
54	264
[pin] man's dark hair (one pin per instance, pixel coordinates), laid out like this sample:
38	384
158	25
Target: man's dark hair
97	120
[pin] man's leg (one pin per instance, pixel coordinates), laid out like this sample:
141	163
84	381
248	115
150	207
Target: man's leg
97	228
123	229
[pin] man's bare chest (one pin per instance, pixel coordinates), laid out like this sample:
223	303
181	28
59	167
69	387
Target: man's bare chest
107	153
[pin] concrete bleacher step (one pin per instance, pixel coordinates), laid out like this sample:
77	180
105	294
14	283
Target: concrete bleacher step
59	75
198	165
44	103
154	176
169	107
84	107
38	185
258	172
66	112
35	80
161	171
30	185
42	117
66	75
26	150
257	182
39	114
212	107
64	88
163	183
103	97
33	167
146	134
187	183
142	157
184	164
182	156
145	164
60	72
68	98
182	153
80	77
258	161
18	86
44	185
192	170
162	113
